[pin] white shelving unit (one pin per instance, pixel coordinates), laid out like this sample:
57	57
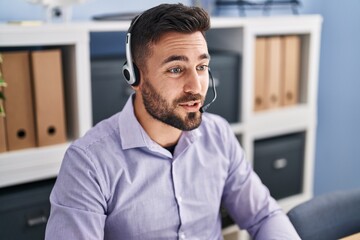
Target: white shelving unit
234	34
40	163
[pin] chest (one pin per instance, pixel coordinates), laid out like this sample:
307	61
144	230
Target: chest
153	196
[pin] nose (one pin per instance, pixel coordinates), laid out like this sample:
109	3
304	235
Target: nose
193	82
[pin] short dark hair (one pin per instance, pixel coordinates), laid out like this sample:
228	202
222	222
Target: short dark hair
164	18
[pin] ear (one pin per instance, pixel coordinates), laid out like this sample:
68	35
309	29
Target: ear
137	75
139	79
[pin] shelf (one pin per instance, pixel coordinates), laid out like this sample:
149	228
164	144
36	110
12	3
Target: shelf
227	34
74	41
281	120
46	34
30	164
37	163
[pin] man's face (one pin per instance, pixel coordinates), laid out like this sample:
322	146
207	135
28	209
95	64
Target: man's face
176	80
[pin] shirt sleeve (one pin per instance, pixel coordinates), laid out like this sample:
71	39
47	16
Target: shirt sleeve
78	205
249	202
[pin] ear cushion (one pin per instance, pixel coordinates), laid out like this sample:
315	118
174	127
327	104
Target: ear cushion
131	75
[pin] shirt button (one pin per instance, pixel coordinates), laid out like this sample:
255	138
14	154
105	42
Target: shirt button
182	235
180	199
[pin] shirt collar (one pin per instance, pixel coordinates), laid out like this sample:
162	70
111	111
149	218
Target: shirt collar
133	135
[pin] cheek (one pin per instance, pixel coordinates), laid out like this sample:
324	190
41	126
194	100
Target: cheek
170	87
168	91
204	87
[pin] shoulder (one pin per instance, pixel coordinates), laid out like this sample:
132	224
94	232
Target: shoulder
103	133
92	157
215	124
216	131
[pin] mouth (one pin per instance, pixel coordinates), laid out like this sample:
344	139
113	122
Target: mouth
191	106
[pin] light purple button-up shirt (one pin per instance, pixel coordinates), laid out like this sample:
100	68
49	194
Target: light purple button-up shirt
116	183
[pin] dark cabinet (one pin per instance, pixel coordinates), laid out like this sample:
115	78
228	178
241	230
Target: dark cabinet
24	210
279	162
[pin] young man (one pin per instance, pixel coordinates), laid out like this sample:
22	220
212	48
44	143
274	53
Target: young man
160	168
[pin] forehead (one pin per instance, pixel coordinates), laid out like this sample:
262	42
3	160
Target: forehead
175	42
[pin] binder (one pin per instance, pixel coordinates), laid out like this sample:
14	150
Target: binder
291	72
260	77
49	97
19	121
273	71
3	147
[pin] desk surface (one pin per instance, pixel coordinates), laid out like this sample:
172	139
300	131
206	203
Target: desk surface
355	236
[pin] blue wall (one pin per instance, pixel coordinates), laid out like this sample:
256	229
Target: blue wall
337	150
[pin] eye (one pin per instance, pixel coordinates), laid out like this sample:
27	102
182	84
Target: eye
175	70
202	67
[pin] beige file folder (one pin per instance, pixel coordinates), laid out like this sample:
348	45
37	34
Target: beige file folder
20	131
260	77
49	97
273	71
291	71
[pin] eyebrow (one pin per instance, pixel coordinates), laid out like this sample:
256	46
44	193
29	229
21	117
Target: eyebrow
183	58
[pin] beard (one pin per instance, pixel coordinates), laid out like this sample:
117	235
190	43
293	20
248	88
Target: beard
161	110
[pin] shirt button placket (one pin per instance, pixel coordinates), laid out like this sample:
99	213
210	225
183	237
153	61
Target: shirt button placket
179	200
182	235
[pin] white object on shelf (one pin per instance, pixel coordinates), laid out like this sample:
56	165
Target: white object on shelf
54	7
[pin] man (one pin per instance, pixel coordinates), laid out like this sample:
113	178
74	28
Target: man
160	168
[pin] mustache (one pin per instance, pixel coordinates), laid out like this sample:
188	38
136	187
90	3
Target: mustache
189	97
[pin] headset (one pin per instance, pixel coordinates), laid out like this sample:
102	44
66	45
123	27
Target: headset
132	74
130	70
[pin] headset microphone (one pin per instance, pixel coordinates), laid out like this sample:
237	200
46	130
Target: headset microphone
203	108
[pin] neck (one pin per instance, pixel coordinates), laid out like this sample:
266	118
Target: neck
161	133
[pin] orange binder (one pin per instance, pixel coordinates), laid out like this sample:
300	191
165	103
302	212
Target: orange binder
291	71
19	103
273	71
260	78
3	147
49	97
